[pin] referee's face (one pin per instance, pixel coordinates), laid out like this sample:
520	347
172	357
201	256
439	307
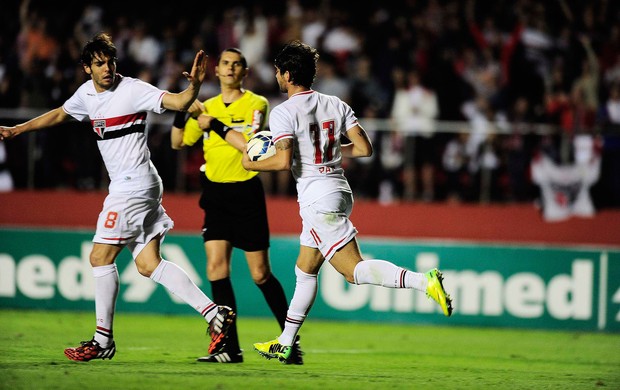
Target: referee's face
230	69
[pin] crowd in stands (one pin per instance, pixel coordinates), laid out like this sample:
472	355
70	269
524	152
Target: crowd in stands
518	77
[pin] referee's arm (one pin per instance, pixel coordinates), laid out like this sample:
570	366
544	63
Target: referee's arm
228	134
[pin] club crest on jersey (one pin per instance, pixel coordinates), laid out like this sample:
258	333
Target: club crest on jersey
99	127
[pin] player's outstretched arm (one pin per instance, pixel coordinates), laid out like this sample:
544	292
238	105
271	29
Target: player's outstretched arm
183	100
49	119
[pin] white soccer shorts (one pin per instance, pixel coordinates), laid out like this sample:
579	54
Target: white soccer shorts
326	224
133	219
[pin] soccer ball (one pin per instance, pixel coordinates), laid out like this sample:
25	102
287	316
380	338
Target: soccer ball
261	146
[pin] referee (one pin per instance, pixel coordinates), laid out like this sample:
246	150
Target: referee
233	199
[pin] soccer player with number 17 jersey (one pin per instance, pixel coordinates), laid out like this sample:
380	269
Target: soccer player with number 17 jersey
307	130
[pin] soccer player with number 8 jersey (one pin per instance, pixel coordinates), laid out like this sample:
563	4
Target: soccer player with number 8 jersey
132	214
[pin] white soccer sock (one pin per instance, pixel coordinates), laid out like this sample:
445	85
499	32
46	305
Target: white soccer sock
174	278
303	299
106	291
383	273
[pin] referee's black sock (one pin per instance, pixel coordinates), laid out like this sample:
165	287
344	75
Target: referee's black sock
223	294
275	297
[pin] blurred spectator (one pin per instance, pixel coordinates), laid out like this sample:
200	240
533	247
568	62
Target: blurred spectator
483	120
251	32
391	154
35	46
610	111
587	83
226	28
143	47
6	180
89	23
482	72
366	92
482	147
608	194
341	40
122	34
454	162
314	26
329	80
414	110
610	55
518	146
170	72
535	37
485	169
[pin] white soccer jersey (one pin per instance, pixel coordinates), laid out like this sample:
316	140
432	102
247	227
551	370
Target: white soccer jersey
118	117
315	122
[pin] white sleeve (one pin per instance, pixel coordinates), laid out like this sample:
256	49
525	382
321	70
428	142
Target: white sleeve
280	124
350	118
75	105
147	97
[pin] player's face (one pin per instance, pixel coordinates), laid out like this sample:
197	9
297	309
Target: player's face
230	69
102	71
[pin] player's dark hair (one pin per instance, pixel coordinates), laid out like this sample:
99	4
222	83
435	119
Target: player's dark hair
244	62
300	60
100	44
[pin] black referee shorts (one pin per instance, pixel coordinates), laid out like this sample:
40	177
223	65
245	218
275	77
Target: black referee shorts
235	212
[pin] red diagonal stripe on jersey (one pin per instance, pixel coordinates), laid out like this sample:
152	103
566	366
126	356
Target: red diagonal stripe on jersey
122	120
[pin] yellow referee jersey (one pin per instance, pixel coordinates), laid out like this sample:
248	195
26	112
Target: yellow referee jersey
223	162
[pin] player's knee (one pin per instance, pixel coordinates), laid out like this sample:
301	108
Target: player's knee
261	276
146	270
349	277
98	260
217	270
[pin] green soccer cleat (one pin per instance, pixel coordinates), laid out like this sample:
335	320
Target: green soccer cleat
435	290
296	356
273	349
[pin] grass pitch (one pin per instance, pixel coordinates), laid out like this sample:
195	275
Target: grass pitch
159	352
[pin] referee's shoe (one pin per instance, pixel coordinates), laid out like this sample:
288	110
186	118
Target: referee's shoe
223	356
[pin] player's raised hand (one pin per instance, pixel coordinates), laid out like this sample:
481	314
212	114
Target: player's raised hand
199	69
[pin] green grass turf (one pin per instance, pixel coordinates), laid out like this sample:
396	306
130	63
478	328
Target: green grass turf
159	352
